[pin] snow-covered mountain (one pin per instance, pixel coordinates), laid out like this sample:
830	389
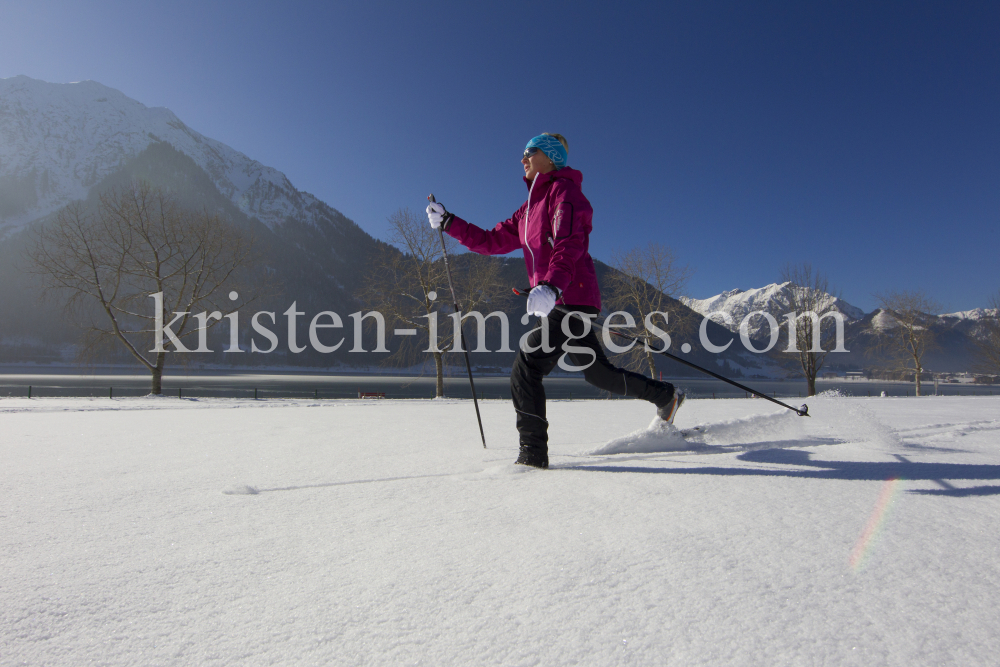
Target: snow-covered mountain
954	333
974	315
58	140
773	299
61	143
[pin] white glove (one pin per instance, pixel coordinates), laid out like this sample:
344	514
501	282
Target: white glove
436	214
541	300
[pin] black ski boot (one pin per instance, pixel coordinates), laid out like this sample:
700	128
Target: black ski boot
667	410
535	457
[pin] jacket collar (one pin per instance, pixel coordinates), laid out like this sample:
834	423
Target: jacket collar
566	172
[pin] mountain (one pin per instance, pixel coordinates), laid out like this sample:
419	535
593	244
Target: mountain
773	299
953	350
69	142
955	333
59	140
971	316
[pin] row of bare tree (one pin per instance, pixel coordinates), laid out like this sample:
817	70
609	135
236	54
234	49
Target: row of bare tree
106	261
903	331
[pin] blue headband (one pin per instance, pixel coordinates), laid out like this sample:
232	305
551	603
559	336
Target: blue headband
552	148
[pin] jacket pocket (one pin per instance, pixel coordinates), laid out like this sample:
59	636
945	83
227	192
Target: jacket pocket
562	220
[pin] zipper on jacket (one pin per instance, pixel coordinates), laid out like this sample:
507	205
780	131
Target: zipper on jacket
527	219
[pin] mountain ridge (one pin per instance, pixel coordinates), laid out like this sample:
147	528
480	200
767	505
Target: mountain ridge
773	299
58	140
63	143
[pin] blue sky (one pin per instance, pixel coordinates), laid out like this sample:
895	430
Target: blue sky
862	137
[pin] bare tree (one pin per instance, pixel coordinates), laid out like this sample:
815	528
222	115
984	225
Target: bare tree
988	339
644	283
903	330
809	304
409	286
137	244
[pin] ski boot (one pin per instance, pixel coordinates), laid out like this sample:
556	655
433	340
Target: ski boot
535	457
668	410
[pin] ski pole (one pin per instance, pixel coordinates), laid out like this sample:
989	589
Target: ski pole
461	331
802	412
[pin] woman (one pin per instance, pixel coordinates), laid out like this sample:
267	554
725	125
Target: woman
553	228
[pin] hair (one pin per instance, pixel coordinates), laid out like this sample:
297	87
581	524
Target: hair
560	137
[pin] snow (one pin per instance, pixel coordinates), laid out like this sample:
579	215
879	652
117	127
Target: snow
298	532
659	436
882	320
976	314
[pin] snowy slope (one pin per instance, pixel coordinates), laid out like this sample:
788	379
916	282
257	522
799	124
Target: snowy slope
974	315
57	140
229	532
773	299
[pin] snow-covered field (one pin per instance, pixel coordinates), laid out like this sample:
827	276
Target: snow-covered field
234	532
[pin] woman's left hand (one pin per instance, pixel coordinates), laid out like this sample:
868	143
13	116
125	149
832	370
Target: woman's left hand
541	300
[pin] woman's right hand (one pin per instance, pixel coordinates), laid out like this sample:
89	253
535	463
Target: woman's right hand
438	216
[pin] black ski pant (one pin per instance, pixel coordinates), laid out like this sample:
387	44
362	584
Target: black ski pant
533	363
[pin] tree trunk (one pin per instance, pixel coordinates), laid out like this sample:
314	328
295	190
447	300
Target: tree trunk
652	364
439	369
157	372
808	370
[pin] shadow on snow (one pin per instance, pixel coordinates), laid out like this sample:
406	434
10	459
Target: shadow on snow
809	468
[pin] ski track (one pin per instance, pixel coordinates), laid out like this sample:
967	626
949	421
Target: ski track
950	430
777	429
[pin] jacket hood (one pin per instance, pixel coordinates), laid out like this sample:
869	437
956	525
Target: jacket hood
566	172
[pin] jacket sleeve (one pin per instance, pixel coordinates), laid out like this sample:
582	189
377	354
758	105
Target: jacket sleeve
571	224
500	240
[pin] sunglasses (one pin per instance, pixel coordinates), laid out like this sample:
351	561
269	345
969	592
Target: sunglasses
528	152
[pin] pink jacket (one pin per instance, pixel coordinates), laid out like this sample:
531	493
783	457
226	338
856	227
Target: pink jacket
552	228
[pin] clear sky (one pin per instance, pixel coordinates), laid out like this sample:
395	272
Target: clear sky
861	136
